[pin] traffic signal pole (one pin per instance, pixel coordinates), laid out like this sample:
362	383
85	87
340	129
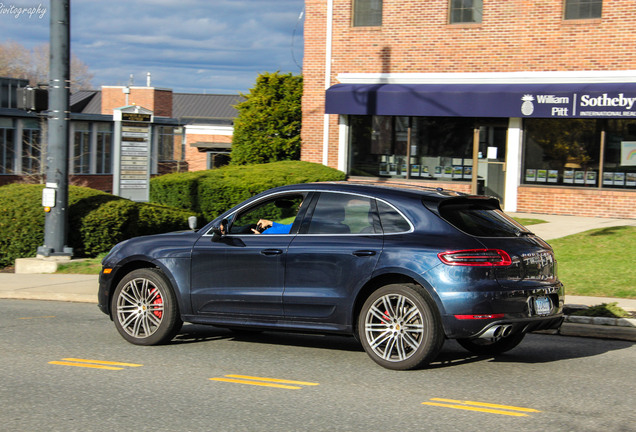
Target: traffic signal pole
55	195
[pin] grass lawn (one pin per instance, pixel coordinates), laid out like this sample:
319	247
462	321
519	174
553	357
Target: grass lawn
529	221
599	262
85	266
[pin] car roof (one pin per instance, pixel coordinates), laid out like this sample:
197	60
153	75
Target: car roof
380	190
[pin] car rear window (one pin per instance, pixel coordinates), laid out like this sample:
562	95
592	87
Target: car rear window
480	218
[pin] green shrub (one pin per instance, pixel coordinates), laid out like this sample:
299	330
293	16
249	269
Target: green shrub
178	190
96	221
220	189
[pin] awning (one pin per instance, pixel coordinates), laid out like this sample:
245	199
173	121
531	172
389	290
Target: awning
201	145
576	100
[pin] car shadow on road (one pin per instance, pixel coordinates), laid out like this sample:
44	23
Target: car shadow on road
535	348
198	333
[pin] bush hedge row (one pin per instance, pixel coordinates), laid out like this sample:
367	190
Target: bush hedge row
209	193
97	221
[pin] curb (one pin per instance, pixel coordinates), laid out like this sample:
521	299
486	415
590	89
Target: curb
620	322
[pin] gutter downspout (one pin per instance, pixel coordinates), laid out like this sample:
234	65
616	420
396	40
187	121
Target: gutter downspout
328	48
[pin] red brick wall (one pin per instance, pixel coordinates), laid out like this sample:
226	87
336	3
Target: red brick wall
577	201
415	37
157	100
198	160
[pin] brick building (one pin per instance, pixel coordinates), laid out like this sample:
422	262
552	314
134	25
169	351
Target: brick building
532	102
188	132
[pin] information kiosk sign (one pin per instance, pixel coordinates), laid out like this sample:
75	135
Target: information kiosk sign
132	152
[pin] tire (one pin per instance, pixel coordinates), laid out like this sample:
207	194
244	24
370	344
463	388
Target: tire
492	346
145	309
400	328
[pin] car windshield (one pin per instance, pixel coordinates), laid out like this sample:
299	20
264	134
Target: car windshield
481	219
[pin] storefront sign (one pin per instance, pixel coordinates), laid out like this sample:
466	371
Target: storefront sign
596	100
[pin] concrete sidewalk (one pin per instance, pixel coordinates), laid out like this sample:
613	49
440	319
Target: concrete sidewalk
560	226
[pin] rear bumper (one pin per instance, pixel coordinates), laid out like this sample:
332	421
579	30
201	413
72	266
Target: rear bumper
511	308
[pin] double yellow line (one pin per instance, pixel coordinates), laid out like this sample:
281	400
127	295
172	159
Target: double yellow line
95	364
481	407
264	382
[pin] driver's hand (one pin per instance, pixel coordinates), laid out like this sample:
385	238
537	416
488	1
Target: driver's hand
262	225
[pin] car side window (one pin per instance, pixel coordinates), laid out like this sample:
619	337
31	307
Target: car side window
342	214
392	221
282	210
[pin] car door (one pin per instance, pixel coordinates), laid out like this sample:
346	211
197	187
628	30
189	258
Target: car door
243	272
335	252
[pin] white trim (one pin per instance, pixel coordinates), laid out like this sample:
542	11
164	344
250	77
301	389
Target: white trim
209	130
513	163
328	48
343	130
584	77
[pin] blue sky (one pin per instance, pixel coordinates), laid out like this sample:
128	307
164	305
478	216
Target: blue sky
191	46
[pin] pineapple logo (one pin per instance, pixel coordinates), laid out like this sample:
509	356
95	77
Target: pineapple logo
527	107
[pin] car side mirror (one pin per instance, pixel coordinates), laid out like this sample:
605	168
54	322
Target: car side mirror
192	223
218	232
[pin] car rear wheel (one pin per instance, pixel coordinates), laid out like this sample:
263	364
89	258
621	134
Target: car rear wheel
144	308
492	346
400	328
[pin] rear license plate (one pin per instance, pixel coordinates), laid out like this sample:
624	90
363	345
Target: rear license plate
542	305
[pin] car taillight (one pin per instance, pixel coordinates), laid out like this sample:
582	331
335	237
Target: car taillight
476	257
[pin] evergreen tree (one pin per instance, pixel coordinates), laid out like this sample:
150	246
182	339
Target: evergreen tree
267	128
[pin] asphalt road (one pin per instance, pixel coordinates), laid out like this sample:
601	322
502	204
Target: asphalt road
63	367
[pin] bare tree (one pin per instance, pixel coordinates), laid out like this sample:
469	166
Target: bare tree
18	62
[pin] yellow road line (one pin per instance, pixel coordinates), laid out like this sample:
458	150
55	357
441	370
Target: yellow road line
262	384
275	380
103	362
487	405
472	408
38	317
94	366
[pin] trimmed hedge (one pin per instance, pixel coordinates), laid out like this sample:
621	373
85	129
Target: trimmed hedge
97	221
220	189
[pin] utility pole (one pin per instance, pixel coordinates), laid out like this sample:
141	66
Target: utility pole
55	195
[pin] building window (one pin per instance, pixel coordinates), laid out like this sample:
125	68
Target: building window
569	153
367	13
104	162
583	9
81	148
31	149
7	150
466	11
166	142
439	148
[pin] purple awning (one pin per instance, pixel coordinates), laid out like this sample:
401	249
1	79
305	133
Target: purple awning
574	100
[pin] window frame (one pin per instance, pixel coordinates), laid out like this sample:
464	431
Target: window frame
578	4
372	18
477	13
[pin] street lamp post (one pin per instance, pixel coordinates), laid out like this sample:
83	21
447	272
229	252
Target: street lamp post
55	196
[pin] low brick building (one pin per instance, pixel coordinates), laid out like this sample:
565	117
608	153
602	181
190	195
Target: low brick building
531	102
188	132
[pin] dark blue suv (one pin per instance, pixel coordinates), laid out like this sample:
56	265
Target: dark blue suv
401	268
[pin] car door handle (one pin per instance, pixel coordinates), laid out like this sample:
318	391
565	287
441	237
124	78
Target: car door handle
363	253
271	252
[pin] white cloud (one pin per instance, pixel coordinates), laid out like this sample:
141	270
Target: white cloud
187	45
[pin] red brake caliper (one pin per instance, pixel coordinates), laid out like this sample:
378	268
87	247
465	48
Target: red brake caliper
386	318
157	301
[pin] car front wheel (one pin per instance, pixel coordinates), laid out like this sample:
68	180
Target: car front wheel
144	308
399	327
